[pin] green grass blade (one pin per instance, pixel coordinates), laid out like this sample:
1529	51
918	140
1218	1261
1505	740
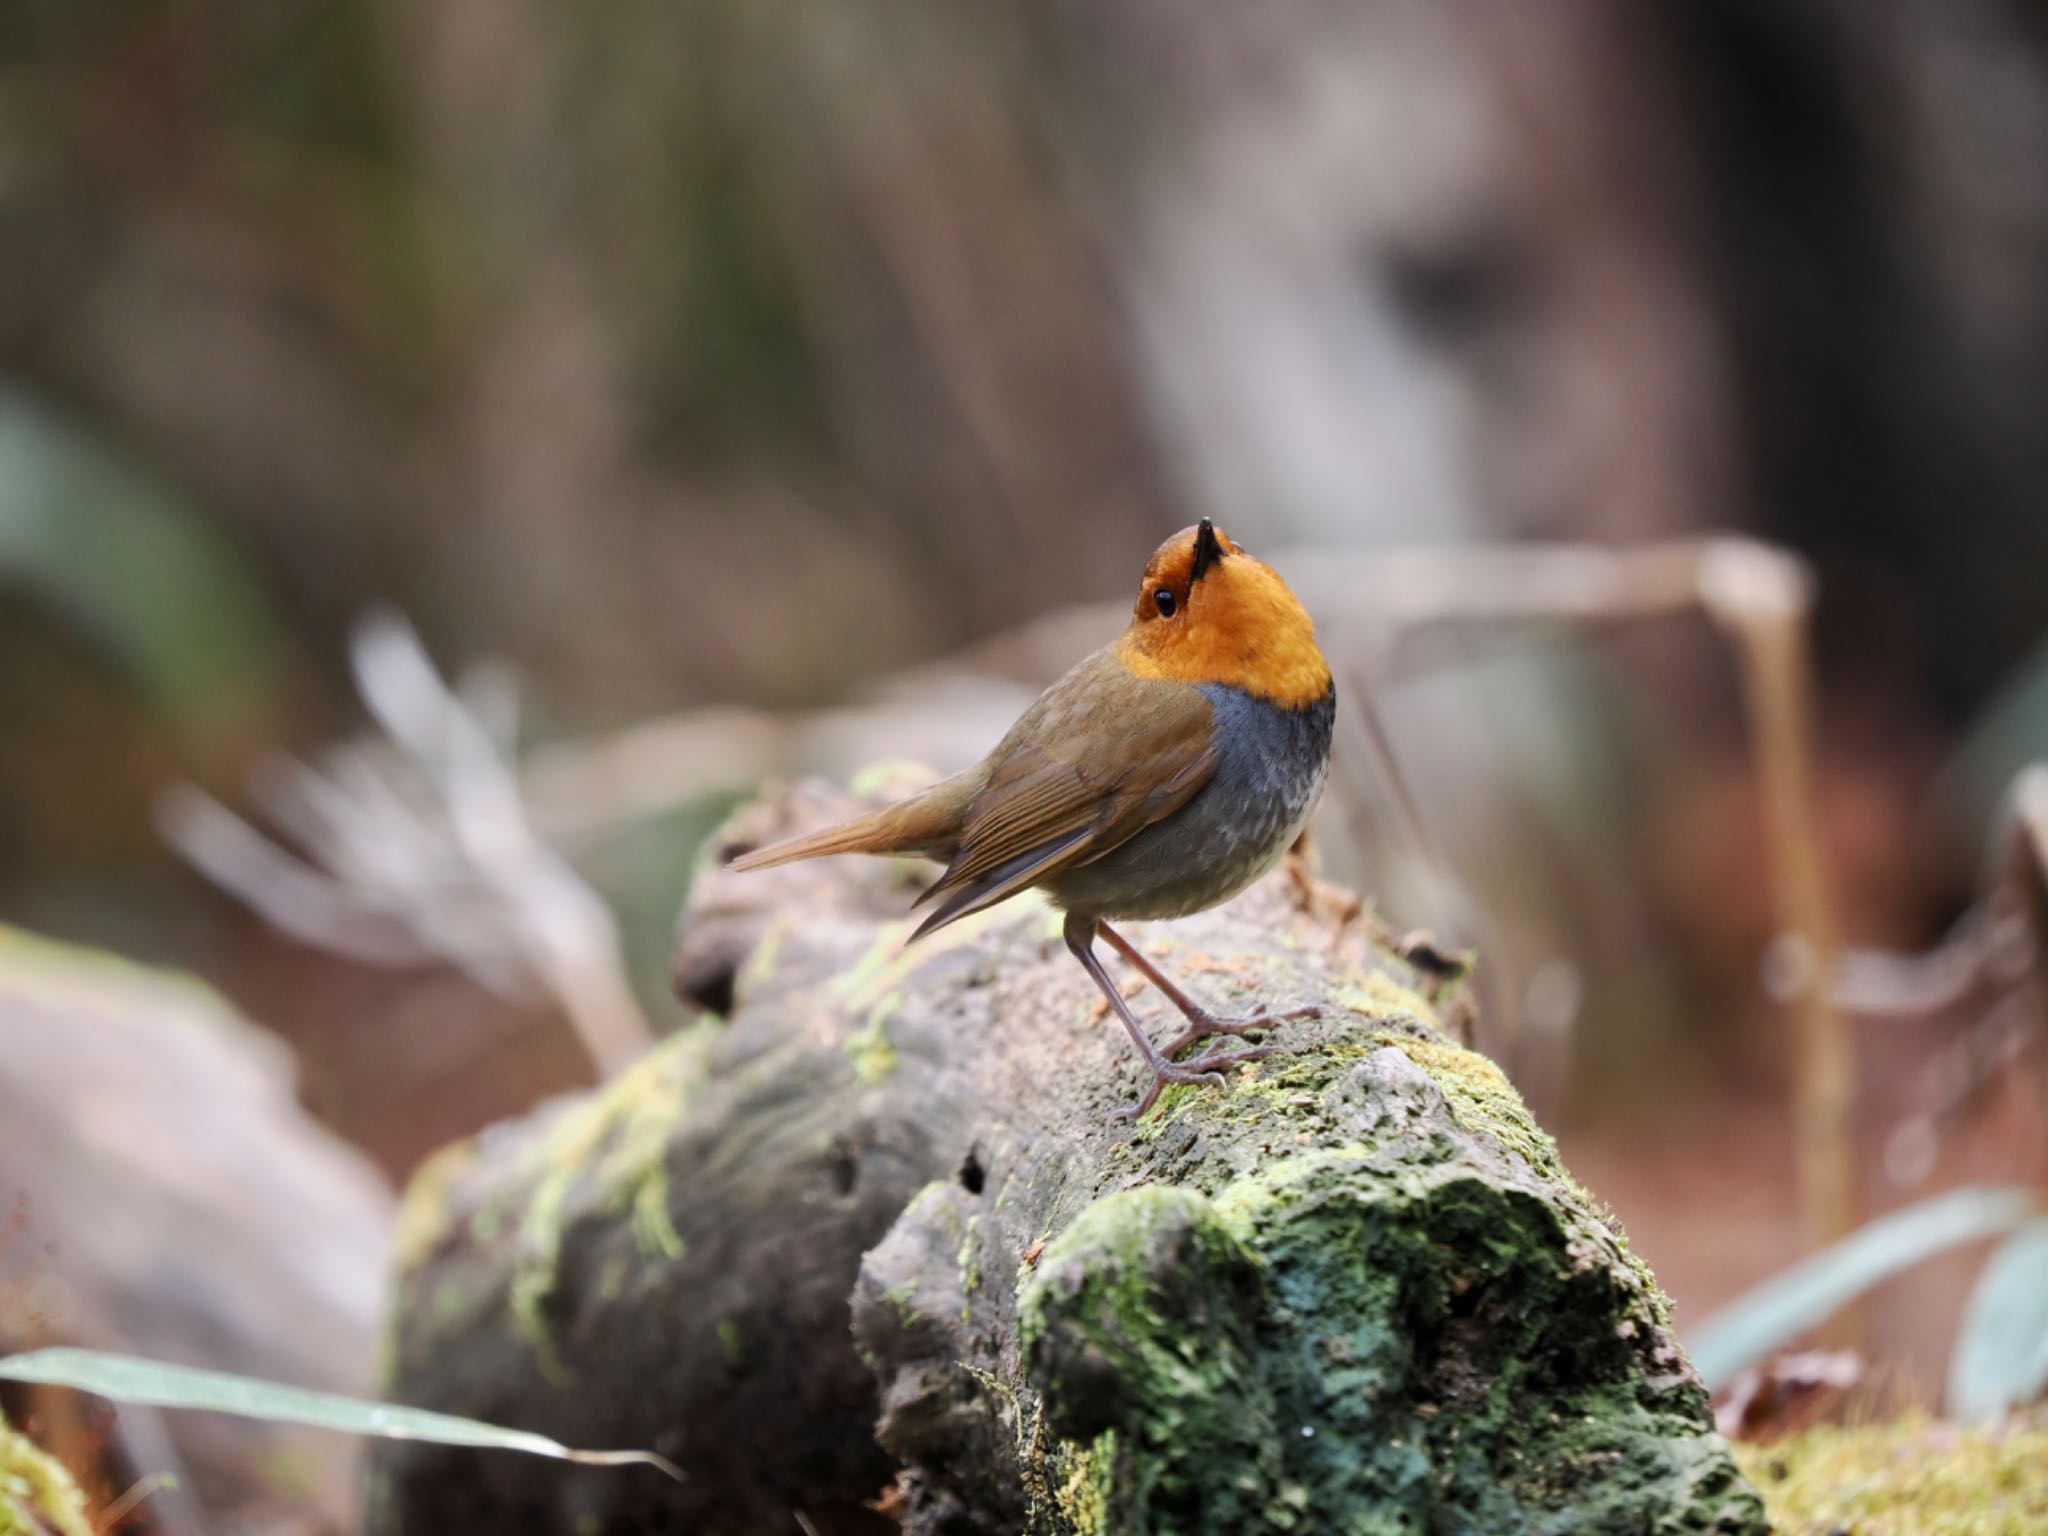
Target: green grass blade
2001	1355
1802	1297
130	1380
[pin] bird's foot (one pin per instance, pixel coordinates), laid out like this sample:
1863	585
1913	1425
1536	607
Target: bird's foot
1203	1025
1203	1069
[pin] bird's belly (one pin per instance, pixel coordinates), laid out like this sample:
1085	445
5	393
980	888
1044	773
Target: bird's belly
1271	764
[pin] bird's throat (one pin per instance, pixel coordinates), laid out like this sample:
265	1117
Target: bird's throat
1261	641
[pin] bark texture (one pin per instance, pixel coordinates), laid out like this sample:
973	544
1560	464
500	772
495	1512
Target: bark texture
1354	1291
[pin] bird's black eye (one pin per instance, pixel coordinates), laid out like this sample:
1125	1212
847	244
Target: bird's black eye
1163	601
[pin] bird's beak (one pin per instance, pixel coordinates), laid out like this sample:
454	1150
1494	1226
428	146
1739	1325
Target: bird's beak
1207	551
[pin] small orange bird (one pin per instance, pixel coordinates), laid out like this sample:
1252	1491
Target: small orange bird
1161	776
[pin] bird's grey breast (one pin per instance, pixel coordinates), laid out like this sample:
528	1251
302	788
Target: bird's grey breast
1270	766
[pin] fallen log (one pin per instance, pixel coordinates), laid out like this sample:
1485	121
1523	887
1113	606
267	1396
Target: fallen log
1355	1290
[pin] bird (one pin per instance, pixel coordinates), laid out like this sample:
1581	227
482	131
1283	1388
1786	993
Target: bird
1158	778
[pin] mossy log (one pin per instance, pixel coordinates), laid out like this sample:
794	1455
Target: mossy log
1353	1291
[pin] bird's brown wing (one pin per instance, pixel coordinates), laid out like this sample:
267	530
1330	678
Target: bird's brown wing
1101	756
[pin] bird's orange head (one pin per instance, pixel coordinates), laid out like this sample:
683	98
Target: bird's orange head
1210	613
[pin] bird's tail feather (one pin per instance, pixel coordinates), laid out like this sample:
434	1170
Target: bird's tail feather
926	824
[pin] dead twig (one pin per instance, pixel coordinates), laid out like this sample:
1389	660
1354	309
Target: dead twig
415	846
1994	957
1763	599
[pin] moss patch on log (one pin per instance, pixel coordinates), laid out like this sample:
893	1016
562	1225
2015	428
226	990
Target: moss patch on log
1912	1478
1420	1324
612	1144
603	1154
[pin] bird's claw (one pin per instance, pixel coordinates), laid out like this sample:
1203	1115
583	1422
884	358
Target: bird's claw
1207	1025
1203	1069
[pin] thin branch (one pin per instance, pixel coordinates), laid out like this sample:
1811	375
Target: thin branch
417	846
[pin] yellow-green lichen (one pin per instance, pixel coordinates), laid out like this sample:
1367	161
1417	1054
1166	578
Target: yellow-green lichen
874	1058
533	1277
1483	1101
1288	1083
861	984
1376	995
609	1150
1912	1478
1281	1086
423	1214
903	1297
760	965
486	1223
730	1341
970	1268
36	1493
1083	1495
654	1229
891	960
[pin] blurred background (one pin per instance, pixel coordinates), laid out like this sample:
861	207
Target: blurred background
758	389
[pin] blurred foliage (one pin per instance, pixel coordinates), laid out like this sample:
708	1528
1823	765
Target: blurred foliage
2010	733
2001	1355
527	318
1808	1293
644	871
142	572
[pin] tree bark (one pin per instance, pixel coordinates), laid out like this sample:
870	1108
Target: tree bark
1353	1291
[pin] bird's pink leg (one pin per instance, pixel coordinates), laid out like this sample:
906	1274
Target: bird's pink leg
1201	1022
1080	936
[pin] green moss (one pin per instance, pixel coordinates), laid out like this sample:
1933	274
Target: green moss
654	1230
761	963
1912	1478
1403	1328
970	1266
1377	995
606	1156
1083	1495
1483	1100
890	960
423	1214
874	1058
1486	1103
862	984
36	1494
533	1278
486	1224
1131	1326
903	1298
729	1341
